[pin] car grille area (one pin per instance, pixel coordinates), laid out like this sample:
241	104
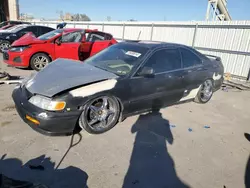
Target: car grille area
17	59
5	56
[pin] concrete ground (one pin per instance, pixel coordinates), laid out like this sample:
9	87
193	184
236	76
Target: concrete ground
146	151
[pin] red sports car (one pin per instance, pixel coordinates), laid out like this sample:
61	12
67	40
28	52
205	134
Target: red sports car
75	43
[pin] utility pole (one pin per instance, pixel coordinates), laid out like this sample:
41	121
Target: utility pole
217	10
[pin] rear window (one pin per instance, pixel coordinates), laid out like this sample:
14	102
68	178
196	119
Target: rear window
189	59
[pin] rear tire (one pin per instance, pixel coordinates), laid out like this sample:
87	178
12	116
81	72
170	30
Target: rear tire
4	44
39	61
100	115
205	92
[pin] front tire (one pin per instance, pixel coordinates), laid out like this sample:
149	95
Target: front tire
39	61
205	92
100	115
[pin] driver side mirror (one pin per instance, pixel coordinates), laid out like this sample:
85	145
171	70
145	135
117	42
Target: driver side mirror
58	42
147	72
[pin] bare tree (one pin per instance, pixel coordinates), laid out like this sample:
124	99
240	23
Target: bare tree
84	17
61	15
132	20
80	17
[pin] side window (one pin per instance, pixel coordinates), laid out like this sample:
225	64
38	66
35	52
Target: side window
71	37
27	30
189	59
92	37
108	37
44	30
164	60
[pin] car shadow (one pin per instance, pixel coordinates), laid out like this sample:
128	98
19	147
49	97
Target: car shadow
41	172
247	172
151	165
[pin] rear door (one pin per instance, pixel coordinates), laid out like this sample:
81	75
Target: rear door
69	45
99	42
194	72
164	88
99	46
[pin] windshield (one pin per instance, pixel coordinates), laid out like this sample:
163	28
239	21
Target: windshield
50	34
119	58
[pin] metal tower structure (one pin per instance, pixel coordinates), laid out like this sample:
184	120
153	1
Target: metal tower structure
217	10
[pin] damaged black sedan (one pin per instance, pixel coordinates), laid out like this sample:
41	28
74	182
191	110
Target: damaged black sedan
125	79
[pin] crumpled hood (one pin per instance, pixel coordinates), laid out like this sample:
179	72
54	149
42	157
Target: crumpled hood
27	39
63	74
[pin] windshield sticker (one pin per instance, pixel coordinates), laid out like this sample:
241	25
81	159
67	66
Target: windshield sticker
135	54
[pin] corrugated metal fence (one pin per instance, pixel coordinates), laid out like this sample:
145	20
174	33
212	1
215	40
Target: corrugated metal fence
229	40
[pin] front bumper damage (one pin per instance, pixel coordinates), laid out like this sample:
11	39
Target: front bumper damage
49	123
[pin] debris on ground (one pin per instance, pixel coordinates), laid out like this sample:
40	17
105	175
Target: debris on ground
5	78
173	126
224	88
206	127
11	81
190	130
236	84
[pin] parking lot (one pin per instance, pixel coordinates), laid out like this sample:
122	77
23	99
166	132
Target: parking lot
173	148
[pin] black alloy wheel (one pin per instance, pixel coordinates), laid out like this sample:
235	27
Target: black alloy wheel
100	115
206	92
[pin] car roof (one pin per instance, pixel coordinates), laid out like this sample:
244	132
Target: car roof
72	29
15	21
28	25
67	30
153	44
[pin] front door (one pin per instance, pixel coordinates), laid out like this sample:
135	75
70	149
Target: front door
143	93
68	46
164	88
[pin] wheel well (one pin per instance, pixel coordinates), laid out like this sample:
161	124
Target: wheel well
121	108
208	79
39	53
211	80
